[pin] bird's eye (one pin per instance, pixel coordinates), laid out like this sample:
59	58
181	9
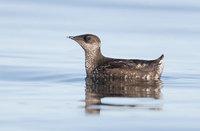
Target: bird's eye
87	38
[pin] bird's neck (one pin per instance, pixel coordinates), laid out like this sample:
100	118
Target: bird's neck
93	58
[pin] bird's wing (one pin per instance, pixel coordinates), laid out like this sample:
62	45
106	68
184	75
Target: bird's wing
144	65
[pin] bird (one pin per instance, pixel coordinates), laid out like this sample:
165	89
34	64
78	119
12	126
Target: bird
100	67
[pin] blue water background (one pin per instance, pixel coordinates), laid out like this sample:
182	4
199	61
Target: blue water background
42	75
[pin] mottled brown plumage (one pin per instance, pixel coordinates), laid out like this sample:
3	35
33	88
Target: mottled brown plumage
101	67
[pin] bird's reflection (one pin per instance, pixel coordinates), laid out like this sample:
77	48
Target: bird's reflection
98	89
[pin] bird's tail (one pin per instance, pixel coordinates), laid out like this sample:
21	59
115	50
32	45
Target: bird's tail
160	59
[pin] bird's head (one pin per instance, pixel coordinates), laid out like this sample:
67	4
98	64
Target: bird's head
88	42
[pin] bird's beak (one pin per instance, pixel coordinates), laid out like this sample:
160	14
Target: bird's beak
71	37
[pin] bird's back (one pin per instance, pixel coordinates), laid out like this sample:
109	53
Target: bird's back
130	69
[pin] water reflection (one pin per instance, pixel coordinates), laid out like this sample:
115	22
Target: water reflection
98	89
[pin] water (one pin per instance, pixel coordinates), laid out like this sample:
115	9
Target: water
42	76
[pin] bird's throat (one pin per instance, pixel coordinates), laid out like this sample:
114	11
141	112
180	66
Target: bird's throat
93	59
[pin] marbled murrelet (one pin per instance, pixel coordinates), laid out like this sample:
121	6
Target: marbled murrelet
99	66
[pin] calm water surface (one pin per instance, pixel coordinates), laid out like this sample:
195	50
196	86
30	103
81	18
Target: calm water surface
42	76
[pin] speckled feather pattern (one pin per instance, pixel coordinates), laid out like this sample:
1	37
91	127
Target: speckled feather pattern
130	69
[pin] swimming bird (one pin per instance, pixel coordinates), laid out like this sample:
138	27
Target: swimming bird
99	66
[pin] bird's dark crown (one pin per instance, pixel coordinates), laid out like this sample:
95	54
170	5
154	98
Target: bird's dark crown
87	38
87	41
